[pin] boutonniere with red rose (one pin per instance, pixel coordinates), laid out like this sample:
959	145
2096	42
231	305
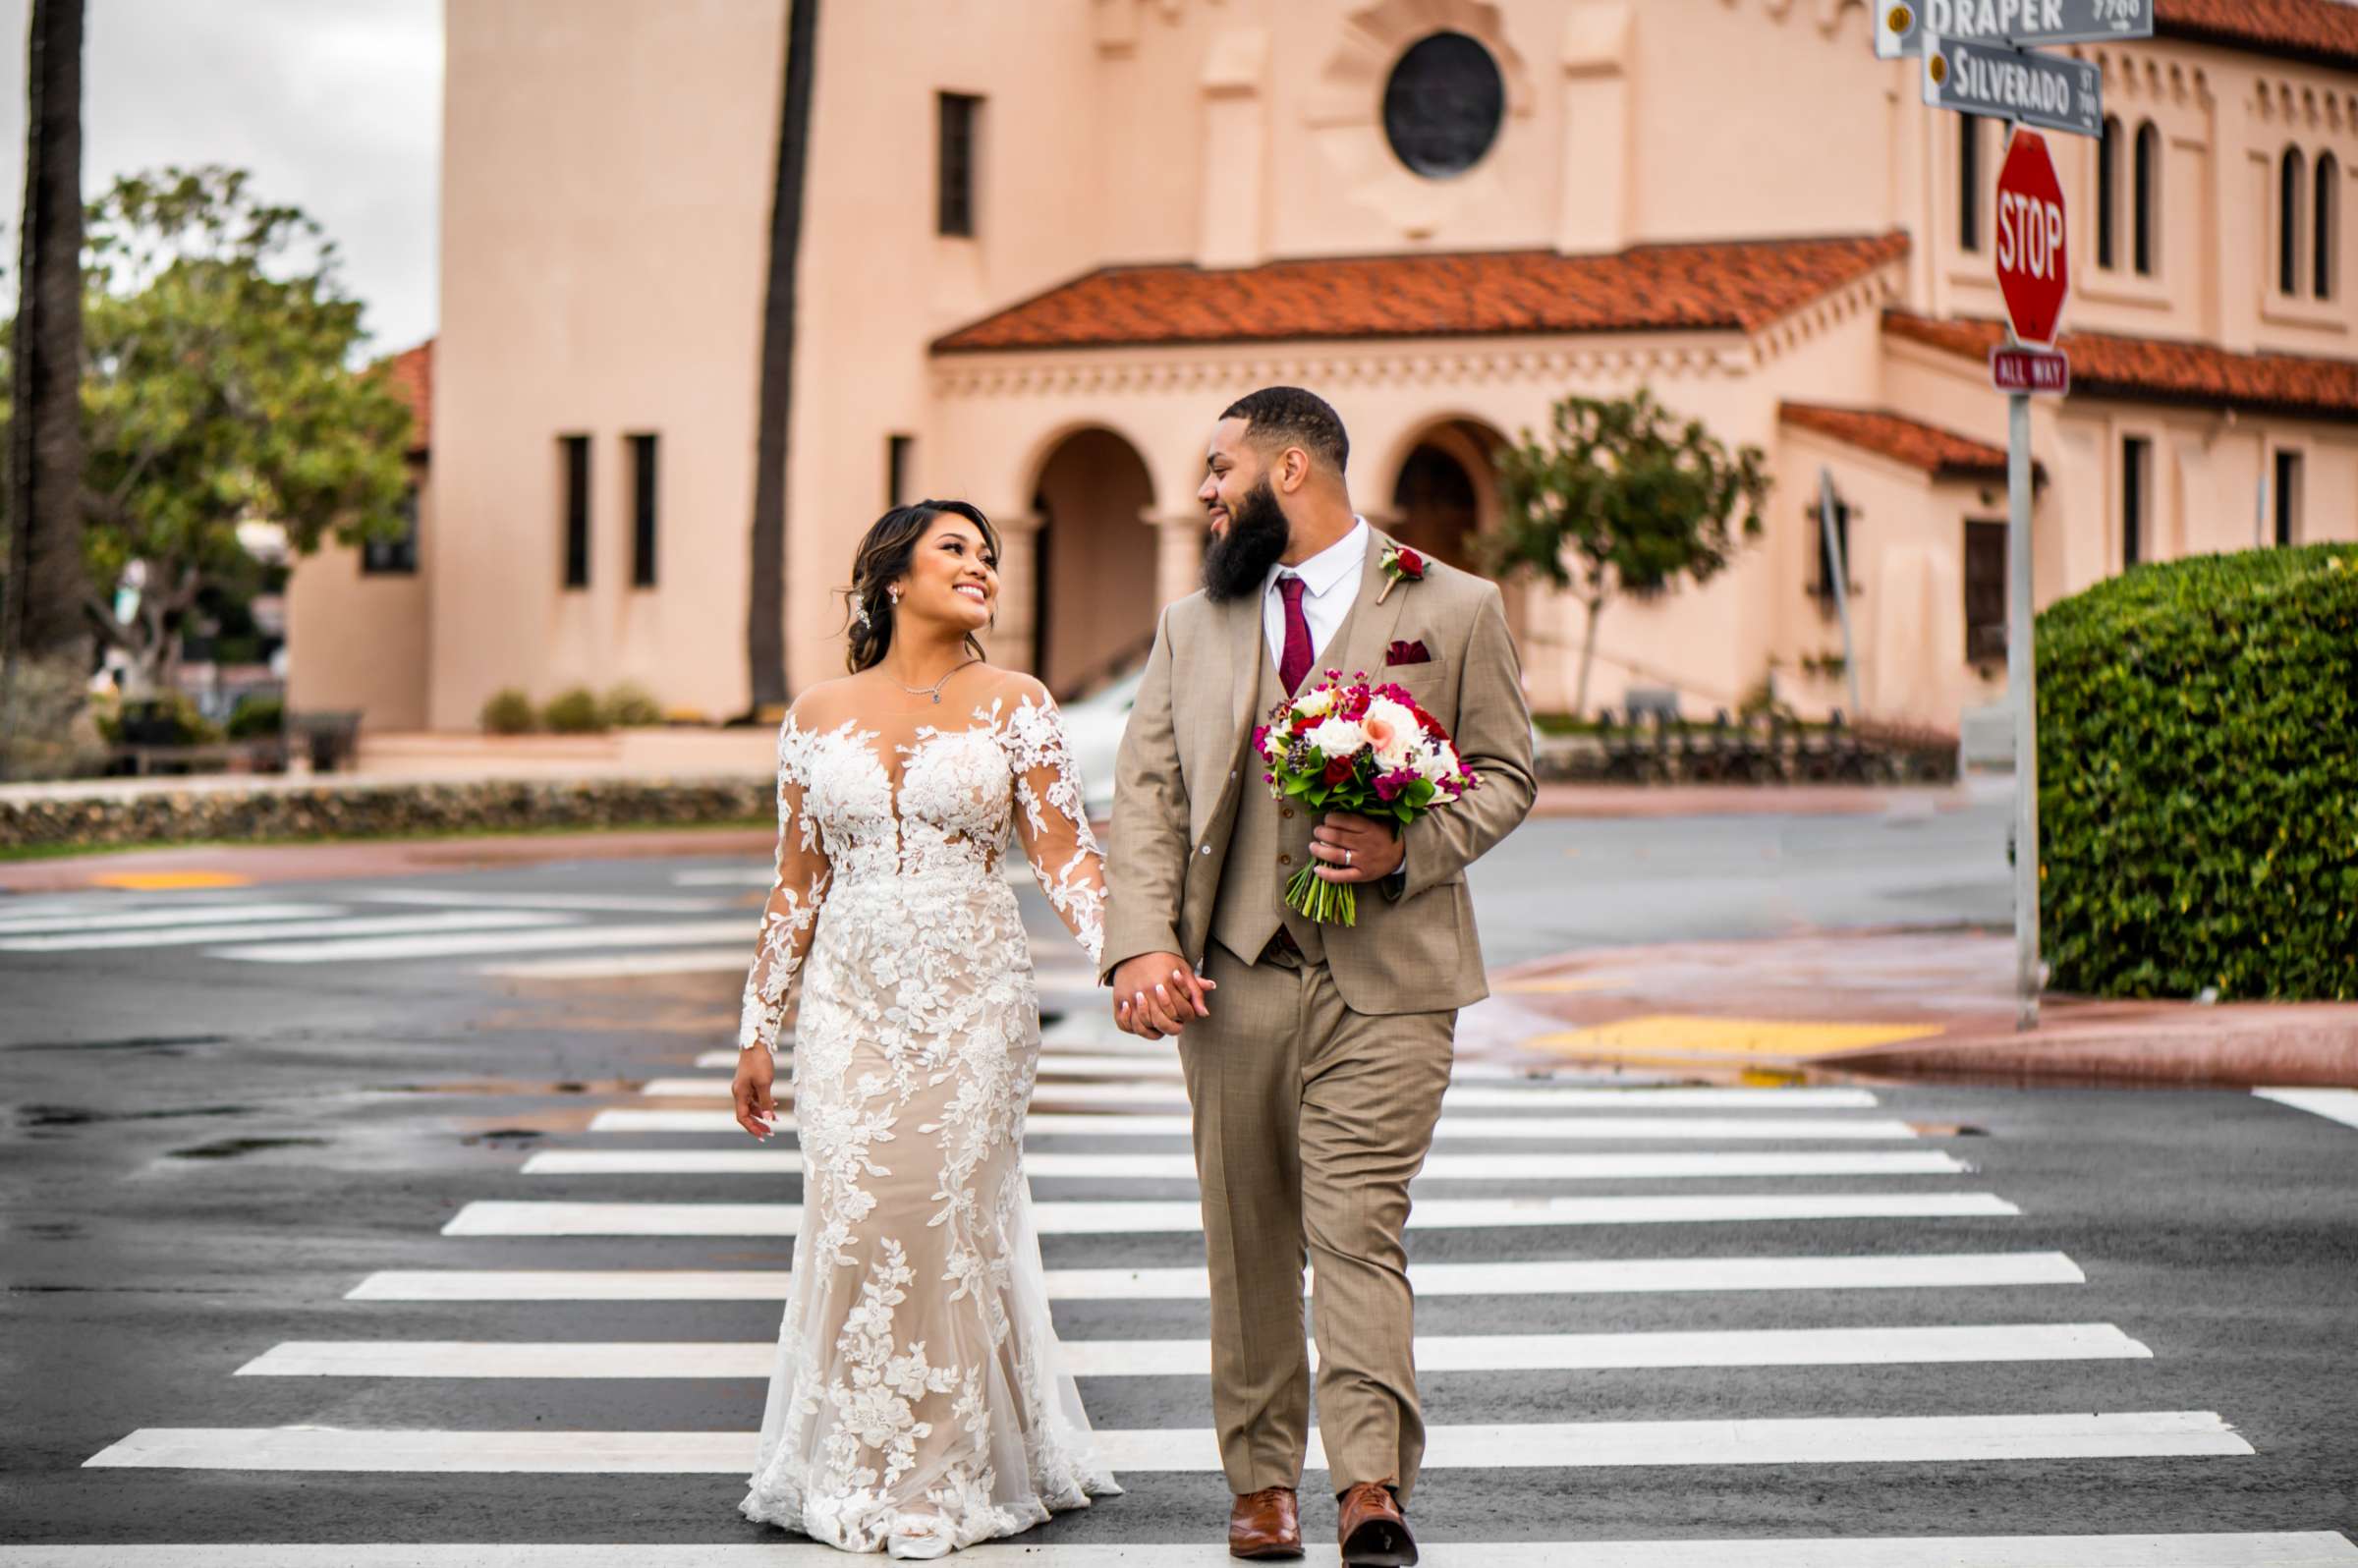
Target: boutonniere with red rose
1399	564
1367	749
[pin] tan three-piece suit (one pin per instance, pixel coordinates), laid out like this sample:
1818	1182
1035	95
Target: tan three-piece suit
1317	1078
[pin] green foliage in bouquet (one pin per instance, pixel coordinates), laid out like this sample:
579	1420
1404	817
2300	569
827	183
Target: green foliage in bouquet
2197	779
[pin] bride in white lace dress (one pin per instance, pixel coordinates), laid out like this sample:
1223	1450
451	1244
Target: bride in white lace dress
917	1404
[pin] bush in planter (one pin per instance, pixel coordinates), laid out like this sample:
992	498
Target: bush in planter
2197	779
257	719
573	713
629	706
508	713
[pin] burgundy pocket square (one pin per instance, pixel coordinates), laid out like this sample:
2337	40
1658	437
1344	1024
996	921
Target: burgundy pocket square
1406	653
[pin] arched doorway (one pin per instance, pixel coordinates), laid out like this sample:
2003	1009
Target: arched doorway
1447	494
1094	588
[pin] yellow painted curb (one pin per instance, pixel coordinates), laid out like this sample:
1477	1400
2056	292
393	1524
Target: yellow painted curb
1671	1037
169	881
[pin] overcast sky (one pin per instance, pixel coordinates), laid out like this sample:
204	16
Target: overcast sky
334	105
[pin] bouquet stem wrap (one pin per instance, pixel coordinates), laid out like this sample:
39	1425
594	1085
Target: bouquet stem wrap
1366	751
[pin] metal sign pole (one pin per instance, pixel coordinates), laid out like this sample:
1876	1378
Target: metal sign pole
1841	567
2021	674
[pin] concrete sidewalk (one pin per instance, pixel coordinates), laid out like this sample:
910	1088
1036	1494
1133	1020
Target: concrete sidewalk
1901	1005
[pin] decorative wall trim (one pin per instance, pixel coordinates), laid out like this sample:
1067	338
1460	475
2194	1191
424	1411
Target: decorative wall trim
1825	15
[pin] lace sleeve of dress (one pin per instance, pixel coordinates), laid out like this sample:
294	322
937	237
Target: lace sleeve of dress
795	896
1054	823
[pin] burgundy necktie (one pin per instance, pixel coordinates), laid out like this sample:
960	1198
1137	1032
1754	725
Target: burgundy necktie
1295	662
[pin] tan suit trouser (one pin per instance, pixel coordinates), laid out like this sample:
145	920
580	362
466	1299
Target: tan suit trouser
1310	1120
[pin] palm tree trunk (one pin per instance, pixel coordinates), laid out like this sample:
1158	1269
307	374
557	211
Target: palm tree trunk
765	617
42	586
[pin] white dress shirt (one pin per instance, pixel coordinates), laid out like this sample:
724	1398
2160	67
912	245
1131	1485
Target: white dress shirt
1331	587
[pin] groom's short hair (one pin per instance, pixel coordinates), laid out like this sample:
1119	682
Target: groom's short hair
1287	416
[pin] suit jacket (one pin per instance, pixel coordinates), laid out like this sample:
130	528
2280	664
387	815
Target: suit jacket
1186	760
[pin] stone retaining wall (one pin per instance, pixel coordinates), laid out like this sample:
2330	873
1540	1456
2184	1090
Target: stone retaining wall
100	817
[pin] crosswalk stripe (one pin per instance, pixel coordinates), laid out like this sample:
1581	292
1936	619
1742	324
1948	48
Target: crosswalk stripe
607	903
1869	1439
357	926
732	960
2274	1550
149	919
677	934
725	877
2334	1104
1614	1276
1191	1357
1444	1167
1532	1096
1543	1129
1161	1064
532	1217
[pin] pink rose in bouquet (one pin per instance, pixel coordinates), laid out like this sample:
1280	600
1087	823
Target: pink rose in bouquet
1367	749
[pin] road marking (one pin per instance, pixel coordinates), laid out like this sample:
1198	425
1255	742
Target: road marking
2334	1104
596	902
1536	1096
725	877
531	1217
1191	1357
2285	1550
1875	1439
364	926
679	933
1677	1035
1702	1165
169	881
1614	1277
1161	1064
150	917
734	959
1541	1129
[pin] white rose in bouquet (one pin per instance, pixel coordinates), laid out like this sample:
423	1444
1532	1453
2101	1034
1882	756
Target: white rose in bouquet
1336	737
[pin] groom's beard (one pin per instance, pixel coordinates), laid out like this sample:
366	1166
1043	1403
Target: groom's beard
1238	561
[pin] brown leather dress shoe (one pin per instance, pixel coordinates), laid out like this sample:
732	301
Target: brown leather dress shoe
1264	1524
1374	1533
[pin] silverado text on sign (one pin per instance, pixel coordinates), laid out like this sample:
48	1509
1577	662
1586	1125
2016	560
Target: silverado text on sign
2060	94
1900	25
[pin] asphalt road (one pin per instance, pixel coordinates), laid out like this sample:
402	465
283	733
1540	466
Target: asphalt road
248	1145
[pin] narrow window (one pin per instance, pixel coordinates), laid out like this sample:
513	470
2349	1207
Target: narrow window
2289	187
955	163
1969	182
1985	592
2325	219
2148	177
2136	463
576	449
643	511
897	469
396	557
2288	496
1824	588
2108	196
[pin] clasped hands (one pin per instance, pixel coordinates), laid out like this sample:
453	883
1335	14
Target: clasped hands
1156	994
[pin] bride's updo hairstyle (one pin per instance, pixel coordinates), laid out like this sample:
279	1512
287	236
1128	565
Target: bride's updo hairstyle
882	559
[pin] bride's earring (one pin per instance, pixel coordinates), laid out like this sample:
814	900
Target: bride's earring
895	595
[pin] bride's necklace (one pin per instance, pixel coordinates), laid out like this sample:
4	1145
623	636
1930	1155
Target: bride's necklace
934	691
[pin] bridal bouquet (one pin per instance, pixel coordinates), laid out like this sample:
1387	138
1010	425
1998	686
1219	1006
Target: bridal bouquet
1367	749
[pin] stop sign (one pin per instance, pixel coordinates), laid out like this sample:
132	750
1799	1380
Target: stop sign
2034	271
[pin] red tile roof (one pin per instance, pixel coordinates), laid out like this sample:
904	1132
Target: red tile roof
2162	371
413	377
1944	454
2323	32
1732	286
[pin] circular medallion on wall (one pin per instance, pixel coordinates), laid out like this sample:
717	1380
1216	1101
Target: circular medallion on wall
1444	104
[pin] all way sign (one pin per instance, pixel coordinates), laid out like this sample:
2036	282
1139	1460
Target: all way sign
1900	25
2052	92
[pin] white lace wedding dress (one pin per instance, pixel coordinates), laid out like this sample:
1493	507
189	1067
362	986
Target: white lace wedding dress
918	1405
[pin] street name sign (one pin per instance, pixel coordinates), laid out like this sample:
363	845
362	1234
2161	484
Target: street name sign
2034	255
2037	371
2055	93
1901	25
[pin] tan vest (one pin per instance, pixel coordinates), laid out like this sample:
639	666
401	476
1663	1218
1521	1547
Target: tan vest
1270	840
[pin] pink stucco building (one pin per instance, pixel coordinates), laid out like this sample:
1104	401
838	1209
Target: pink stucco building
1047	239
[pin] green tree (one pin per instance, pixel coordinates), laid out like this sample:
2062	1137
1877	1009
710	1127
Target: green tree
1624	497
220	389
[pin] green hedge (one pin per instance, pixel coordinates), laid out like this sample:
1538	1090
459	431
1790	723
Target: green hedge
2197	779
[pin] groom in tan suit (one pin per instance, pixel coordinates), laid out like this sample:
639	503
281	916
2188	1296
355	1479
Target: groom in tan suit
1315	1055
